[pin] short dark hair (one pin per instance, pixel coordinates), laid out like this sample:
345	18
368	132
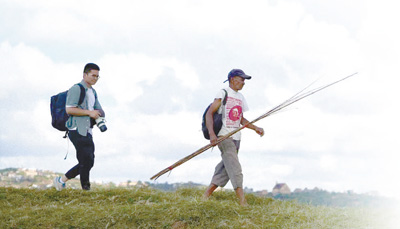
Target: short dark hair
89	67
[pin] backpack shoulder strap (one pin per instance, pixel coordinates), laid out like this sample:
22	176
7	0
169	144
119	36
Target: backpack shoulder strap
81	98
95	93
83	93
225	98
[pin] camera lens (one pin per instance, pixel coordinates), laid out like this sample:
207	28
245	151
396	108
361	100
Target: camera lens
101	124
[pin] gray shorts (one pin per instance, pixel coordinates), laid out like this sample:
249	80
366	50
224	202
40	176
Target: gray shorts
229	168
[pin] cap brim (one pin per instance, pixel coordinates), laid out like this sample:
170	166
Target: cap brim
246	77
242	76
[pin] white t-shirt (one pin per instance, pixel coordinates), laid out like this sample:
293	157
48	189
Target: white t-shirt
90	98
235	106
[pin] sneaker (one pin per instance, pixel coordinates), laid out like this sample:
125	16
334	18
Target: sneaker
86	186
58	184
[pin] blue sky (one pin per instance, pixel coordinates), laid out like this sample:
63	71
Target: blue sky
163	62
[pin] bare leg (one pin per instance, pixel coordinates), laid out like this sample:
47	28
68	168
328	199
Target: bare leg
64	178
209	191
240	195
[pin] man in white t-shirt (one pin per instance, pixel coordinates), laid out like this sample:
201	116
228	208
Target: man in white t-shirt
80	125
232	117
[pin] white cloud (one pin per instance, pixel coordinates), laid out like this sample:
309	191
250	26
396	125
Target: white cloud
328	162
121	75
281	170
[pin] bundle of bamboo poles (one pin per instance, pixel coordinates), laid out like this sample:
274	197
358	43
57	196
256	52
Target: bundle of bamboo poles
298	96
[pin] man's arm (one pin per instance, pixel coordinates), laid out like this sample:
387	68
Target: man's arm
72	104
249	125
75	111
210	120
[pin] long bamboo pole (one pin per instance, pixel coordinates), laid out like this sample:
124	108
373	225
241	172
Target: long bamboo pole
293	99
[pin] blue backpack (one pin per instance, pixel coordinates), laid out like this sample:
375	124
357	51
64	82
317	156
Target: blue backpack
57	108
217	120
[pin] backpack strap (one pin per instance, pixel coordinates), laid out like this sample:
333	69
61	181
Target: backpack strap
81	98
224	103
225	98
83	93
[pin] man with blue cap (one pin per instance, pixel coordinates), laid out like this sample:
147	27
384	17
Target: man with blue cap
232	117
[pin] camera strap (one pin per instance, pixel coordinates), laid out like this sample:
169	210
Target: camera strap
67	138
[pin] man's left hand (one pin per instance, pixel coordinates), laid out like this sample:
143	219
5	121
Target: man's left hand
260	131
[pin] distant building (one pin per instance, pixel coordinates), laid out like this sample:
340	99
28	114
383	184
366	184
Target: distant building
297	190
281	188
262	192
29	172
128	184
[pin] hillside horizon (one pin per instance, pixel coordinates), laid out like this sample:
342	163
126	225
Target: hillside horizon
42	180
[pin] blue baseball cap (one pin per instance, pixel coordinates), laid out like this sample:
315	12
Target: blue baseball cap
237	72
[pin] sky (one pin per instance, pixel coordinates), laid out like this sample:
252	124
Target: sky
162	63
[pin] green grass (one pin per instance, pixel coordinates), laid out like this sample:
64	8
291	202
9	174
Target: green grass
150	208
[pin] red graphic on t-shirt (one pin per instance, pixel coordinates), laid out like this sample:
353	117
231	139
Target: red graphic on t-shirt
235	113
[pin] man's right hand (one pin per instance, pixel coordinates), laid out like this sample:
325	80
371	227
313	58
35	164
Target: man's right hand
213	140
95	114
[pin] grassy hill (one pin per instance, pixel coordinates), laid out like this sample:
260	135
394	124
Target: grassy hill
184	208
